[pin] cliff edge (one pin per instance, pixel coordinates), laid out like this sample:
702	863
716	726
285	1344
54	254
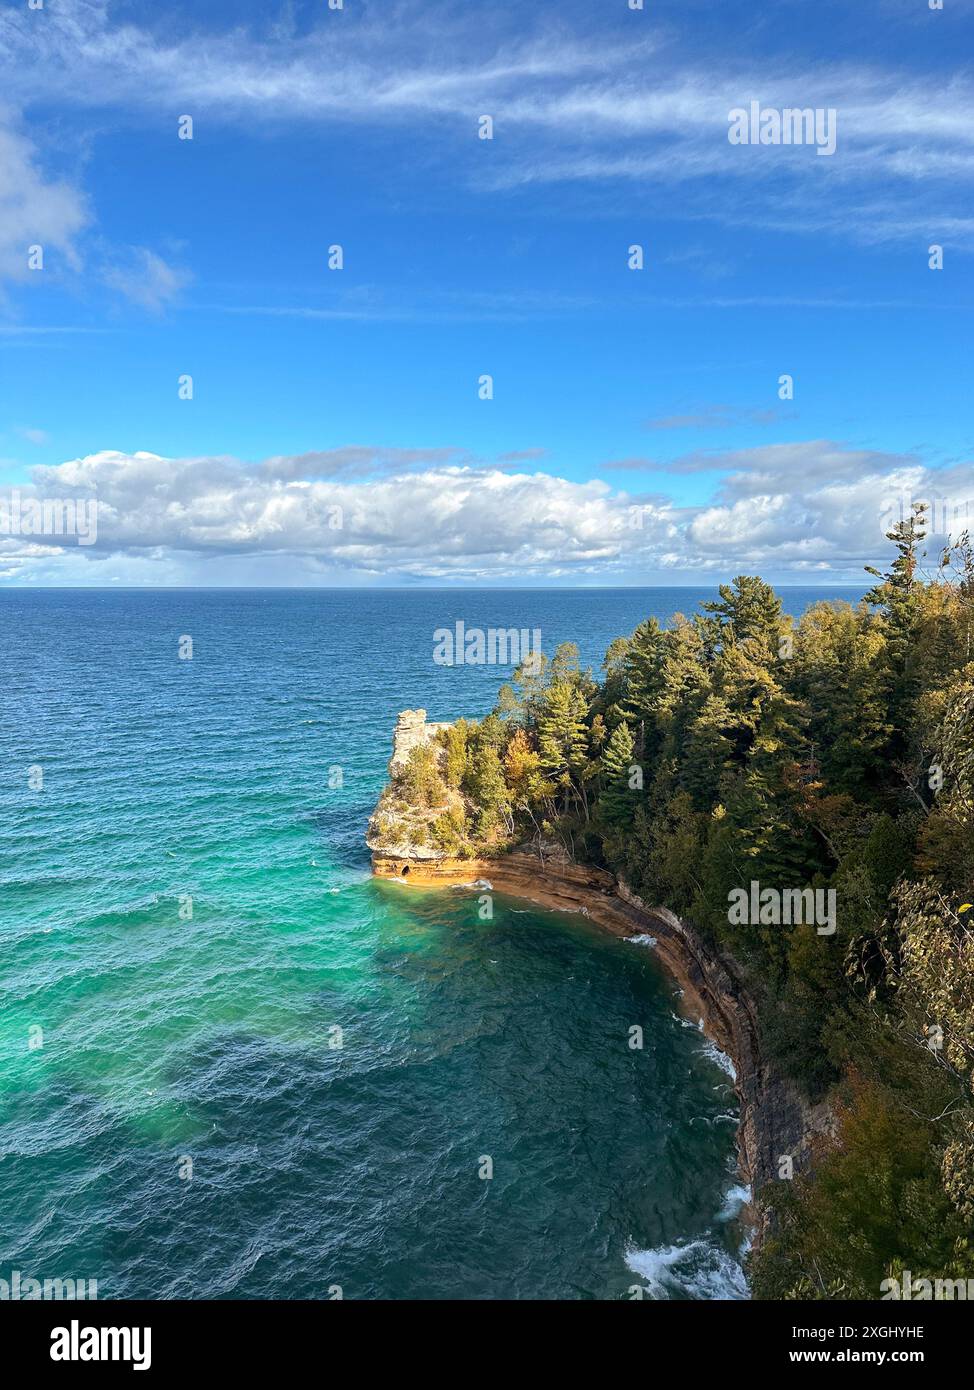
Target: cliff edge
398	828
776	1121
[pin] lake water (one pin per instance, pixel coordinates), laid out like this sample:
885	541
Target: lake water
187	919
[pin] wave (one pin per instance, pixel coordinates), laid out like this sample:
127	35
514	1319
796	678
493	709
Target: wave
713	1052
697	1269
643	939
735	1198
687	1022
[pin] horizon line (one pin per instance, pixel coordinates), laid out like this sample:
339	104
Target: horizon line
384	588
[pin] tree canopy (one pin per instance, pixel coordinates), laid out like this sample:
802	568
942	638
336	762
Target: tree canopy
832	755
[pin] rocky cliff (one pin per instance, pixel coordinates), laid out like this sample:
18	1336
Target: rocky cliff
776	1122
411	731
396	828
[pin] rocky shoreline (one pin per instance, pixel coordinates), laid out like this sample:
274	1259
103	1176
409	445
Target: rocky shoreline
775	1120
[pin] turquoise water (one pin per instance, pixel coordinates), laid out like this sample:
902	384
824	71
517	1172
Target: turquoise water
139	1031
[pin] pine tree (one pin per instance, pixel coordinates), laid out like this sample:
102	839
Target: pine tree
454	740
610	699
563	738
643	666
898	597
618	798
749	608
839	672
486	787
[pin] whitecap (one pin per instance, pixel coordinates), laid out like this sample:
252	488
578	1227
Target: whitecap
735	1198
687	1022
643	939
713	1052
694	1269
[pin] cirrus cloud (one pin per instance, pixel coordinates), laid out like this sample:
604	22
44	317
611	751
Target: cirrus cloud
576	101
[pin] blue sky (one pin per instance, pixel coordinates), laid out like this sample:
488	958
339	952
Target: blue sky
358	389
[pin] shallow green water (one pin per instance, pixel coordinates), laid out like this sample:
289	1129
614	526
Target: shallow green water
211	1037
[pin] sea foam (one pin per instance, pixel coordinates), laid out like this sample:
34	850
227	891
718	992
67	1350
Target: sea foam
694	1269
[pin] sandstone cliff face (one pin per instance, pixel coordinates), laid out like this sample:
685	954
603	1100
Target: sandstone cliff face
411	731
776	1122
396	829
775	1119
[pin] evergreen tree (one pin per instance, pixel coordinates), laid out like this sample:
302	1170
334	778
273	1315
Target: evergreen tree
898	597
610	700
454	742
617	798
485	785
843	761
643	668
839	672
748	608
563	738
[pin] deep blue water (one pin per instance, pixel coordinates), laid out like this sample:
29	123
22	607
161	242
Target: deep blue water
175	1120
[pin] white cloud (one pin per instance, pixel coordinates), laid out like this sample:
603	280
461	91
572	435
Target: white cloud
406	515
568	105
35	210
146	279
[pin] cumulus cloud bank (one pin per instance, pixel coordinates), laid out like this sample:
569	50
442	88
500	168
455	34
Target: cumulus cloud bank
361	514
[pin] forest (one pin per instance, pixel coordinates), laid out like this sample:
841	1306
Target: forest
835	754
